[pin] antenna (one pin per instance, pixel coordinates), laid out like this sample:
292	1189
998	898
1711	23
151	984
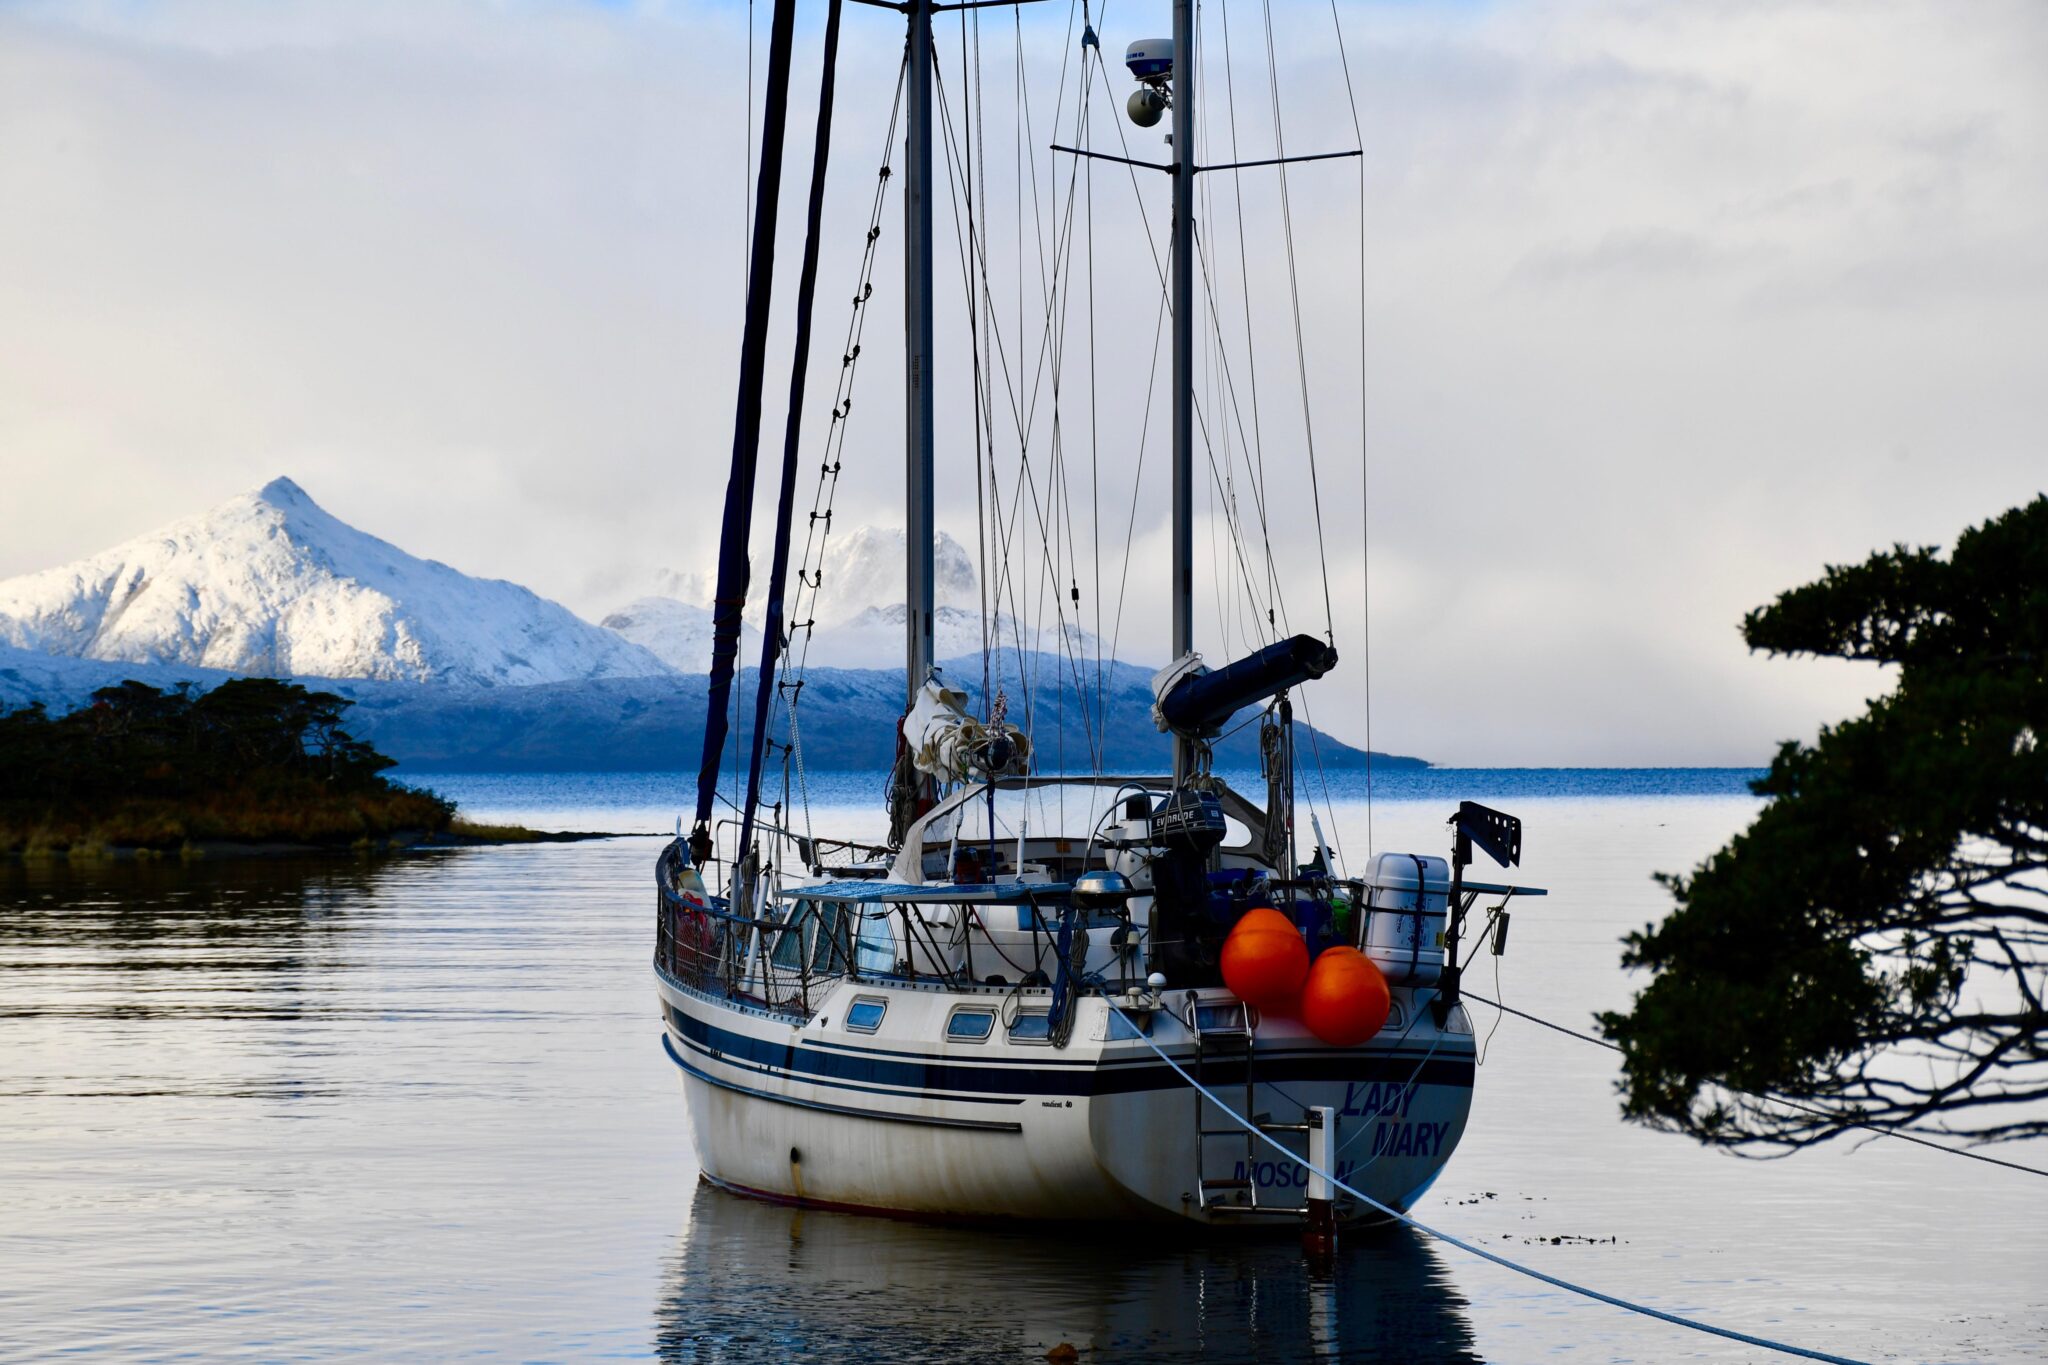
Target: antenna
1151	61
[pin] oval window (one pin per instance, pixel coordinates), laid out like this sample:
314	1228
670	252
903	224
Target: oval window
865	1016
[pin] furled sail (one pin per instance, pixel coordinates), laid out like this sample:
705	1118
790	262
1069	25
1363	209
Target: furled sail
952	746
731	594
778	565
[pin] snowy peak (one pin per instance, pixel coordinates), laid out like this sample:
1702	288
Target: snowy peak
860	611
270	582
285	495
678	633
875	638
866	567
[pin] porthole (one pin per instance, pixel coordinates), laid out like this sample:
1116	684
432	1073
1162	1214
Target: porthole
970	1026
865	1016
1032	1026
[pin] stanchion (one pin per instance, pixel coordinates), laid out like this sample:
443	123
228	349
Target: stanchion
1319	1233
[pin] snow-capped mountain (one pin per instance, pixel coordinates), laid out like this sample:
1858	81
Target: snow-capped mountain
270	583
452	672
863	568
874	639
678	633
860	611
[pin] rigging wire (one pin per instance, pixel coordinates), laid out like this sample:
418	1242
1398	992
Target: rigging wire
1049	365
959	178
1053	349
965	170
1074	643
1277	598
971	246
1200	412
1258	452
1159	269
1364	450
811	565
1294	297
1094	445
1049	495
747	185
1138	475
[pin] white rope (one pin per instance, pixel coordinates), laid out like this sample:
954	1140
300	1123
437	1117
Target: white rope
1479	1251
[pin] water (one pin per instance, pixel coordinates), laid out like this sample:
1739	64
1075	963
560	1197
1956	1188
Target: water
651	803
419	1108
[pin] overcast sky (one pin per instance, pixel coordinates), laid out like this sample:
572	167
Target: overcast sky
1666	306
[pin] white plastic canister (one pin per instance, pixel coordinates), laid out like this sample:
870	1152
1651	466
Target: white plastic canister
1404	932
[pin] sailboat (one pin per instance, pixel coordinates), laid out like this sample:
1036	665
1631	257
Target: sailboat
995	1017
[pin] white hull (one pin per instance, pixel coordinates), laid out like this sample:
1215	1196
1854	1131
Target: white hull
901	1120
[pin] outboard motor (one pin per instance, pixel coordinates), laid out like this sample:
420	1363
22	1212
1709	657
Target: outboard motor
1187	828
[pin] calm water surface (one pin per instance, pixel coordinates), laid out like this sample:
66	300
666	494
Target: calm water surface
420	1108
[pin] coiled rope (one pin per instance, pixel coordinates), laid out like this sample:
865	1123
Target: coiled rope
1554	1281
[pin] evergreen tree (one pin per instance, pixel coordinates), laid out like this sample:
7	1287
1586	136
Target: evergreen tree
1875	945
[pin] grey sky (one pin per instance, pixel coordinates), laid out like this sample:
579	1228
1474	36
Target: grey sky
1666	306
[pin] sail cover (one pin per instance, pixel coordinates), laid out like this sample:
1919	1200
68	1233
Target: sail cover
785	507
731	594
952	746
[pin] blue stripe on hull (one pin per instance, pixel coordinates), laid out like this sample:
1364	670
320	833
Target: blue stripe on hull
920	1074
853	1111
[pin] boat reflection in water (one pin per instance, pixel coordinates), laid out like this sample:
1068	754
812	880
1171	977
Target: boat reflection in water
758	1281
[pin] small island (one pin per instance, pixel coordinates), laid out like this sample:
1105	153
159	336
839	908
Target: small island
255	765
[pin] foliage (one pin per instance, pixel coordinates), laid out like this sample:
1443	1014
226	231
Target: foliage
254	759
1875	945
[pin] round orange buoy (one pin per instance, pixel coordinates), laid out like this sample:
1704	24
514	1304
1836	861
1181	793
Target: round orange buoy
1290	1008
1263	917
1264	967
1345	999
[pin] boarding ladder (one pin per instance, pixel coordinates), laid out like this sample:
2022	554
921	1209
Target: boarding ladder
1223	1034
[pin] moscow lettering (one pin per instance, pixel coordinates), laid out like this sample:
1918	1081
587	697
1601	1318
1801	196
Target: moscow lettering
1393	1135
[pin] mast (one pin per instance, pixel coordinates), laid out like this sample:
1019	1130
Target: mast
1183	355
917	338
910	791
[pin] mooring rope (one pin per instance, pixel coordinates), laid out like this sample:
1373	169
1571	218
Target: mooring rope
1878	1129
1554	1281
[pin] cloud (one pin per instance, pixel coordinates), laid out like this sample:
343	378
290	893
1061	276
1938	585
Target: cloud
1628	257
1665	306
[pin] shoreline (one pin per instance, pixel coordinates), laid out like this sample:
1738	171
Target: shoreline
402	842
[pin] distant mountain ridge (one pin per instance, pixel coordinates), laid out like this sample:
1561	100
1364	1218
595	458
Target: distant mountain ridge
271	583
859	609
453	671
656	724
